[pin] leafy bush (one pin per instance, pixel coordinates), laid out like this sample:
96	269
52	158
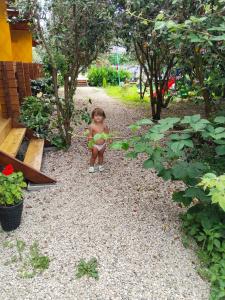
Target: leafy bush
39	114
175	148
97	76
35	113
44	86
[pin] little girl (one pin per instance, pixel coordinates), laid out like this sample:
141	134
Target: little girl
97	126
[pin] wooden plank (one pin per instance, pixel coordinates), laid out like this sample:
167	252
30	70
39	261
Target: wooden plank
34	153
12	84
13	141
29	173
12	91
5	127
10	75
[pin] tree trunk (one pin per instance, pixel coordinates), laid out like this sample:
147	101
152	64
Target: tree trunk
200	77
55	83
140	79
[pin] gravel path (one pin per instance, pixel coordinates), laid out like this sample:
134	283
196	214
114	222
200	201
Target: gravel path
124	217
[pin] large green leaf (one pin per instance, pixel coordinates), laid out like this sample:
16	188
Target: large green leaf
194	38
190	119
182	136
140	147
180	198
218	38
148	164
165	174
134	127
132	154
169	121
220	120
219	130
177	146
183	170
154	136
179	171
121	145
200	125
144	122
220	150
195	192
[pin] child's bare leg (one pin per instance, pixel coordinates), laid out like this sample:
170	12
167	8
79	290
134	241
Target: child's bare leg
93	156
101	156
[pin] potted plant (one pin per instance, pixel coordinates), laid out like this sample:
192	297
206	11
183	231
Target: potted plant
11	198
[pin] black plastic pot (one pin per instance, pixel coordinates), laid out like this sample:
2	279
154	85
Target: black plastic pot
10	216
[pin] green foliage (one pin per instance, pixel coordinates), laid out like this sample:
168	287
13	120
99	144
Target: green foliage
216	186
96	76
190	155
40	115
38	262
11	188
29	261
72	34
177	34
125	58
20	245
44	86
205	225
87	269
36	113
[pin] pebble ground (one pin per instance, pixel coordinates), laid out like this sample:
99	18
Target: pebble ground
124	217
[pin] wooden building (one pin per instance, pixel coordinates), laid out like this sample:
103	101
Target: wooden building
16	71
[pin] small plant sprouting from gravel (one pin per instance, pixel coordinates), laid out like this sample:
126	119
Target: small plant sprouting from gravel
87	268
20	246
29	262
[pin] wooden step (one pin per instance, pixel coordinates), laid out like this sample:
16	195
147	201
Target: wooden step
5	126
34	153
13	141
29	173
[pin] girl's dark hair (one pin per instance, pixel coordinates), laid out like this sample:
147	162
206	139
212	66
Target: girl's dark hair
98	112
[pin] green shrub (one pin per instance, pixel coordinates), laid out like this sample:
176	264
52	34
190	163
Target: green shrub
96	76
44	86
35	114
39	114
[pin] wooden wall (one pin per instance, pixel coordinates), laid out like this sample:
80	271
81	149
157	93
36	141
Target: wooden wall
15	85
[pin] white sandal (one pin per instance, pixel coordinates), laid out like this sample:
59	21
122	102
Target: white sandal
91	169
101	168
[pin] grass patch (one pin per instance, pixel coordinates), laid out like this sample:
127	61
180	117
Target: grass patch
127	94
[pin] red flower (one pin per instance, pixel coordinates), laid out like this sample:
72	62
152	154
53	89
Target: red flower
8	170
